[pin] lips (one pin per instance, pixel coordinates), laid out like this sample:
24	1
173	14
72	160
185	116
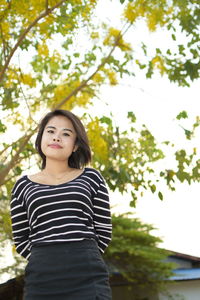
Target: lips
55	146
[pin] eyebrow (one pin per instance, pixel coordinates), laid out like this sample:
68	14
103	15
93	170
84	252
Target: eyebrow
64	129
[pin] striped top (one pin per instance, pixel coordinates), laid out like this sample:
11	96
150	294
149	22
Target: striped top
71	211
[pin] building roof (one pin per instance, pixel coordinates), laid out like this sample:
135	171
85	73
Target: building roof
186	274
185	271
185	256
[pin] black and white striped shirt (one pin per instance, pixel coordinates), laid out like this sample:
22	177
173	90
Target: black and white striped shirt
72	211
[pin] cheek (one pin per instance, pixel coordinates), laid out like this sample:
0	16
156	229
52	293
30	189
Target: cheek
43	143
70	143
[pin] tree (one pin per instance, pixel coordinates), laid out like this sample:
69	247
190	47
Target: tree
136	256
46	63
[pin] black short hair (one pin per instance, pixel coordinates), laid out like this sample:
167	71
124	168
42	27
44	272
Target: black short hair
82	156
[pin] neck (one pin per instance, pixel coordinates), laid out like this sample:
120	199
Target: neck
56	168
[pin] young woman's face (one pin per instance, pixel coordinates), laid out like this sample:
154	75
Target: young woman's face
58	139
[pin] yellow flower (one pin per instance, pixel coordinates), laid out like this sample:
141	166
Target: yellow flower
94	35
151	22
43	50
28	80
112	77
5	30
130	12
98	78
114	37
97	142
158	63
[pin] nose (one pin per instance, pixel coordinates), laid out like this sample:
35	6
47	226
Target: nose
56	139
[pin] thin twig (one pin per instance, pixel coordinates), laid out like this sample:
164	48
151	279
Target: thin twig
47	5
21	88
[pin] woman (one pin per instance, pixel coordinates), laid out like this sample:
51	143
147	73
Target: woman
61	216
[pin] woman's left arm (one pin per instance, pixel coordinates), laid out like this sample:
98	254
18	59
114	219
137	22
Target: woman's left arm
102	216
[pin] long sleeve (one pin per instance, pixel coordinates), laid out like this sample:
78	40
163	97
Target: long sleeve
20	224
102	216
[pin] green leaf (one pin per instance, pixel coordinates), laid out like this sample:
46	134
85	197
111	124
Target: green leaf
132	116
2	127
169	52
133	203
158	51
153	188
134	199
188	134
182	115
160	195
106	120
173	37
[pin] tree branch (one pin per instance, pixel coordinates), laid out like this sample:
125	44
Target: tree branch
85	82
10	145
10	165
22	36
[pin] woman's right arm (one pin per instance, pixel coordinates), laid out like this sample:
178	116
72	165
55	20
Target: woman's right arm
20	224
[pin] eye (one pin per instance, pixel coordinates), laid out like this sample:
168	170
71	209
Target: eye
66	134
50	131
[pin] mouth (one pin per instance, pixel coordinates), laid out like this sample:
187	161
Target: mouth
55	146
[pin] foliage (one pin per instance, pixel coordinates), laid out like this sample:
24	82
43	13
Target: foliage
134	254
46	63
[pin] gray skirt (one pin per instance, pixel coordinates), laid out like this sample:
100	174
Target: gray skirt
67	271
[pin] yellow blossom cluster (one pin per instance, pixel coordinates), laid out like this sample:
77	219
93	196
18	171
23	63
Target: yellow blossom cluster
77	2
43	50
44	26
155	14
112	76
28	10
64	90
83	99
12	77
94	35
156	17
98	78
158	63
51	2
60	93
97	142
114	37
27	79
5	30
133	11
54	63
3	5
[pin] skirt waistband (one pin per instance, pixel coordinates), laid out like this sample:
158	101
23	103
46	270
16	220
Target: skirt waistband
83	244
